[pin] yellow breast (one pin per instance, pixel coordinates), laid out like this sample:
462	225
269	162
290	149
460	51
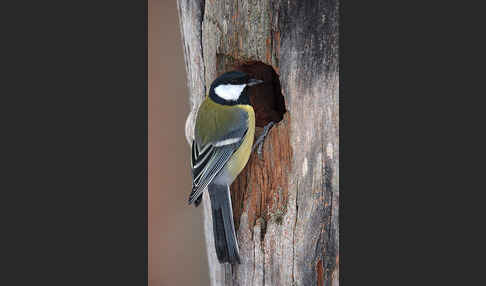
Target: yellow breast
239	159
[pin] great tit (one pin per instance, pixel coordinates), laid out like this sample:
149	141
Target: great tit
223	139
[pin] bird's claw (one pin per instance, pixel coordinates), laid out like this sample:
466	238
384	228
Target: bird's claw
260	140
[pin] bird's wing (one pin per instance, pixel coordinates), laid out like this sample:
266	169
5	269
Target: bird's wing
209	156
209	168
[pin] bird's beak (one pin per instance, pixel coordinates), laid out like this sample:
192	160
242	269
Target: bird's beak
253	81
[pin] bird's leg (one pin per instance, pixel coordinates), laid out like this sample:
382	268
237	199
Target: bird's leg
261	138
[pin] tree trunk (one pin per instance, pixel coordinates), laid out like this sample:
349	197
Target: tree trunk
286	203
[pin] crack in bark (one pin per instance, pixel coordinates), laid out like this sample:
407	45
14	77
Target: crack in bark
295	227
254	255
203	9
263	268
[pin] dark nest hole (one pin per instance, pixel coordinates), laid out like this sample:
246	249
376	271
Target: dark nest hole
266	98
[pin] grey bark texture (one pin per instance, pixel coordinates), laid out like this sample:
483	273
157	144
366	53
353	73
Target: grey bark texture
288	235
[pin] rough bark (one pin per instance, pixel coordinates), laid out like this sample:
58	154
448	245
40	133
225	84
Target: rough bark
286	204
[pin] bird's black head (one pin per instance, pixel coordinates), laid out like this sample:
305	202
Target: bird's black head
230	88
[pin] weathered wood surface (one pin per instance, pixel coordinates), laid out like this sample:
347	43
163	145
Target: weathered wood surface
287	205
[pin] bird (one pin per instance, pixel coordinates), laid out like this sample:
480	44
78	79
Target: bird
223	141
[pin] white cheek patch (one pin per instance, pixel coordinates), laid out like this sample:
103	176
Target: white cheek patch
229	91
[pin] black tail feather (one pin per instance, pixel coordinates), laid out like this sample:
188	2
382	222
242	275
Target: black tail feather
197	202
223	225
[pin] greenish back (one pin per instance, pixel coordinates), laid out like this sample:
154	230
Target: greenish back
216	122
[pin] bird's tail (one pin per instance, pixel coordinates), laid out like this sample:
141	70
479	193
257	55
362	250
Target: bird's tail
223	225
